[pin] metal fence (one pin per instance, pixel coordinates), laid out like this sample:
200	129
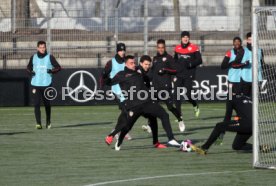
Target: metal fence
85	35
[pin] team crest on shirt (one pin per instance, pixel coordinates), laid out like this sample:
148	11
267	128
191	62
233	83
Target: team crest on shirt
164	59
190	48
130	113
245	101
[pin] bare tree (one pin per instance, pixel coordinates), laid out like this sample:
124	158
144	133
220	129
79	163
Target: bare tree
23	13
176	13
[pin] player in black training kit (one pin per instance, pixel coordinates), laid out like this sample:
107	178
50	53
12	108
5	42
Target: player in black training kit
137	103
144	70
162	70
187	57
112	67
243	126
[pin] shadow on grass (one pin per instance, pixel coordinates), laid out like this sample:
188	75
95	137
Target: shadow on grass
12	133
199	128
205	118
84	124
136	147
161	135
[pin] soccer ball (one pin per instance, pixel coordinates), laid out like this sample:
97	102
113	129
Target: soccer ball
185	146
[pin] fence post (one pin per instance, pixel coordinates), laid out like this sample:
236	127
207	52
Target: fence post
116	23
99	60
105	16
241	19
145	27
49	27
4	62
116	26
13	18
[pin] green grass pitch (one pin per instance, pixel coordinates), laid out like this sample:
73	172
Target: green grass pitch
73	152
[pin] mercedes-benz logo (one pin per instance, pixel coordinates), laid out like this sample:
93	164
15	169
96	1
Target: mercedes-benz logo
81	86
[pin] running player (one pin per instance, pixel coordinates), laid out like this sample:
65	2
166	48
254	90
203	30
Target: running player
135	106
112	67
162	70
188	57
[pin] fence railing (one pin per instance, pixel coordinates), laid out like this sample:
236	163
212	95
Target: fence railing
85	37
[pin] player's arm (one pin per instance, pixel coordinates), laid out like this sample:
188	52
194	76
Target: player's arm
175	55
56	67
239	56
170	68
239	65
226	59
118	78
197	59
237	62
104	78
30	67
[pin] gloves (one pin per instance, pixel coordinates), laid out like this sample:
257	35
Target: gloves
245	64
49	71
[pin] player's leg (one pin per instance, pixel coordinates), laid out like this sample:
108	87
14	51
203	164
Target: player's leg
235	89
176	113
177	85
170	106
132	117
47	106
246	88
240	140
156	110
121	122
220	127
188	84
228	111
36	97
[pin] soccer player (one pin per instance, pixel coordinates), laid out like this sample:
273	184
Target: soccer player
112	67
162	70
242	126
135	105
144	70
234	60
188	57
41	67
246	72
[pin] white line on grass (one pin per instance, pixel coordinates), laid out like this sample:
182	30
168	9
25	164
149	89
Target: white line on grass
167	176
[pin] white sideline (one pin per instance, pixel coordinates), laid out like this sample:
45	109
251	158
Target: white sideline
167	176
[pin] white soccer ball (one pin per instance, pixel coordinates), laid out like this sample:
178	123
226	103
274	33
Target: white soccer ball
185	146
